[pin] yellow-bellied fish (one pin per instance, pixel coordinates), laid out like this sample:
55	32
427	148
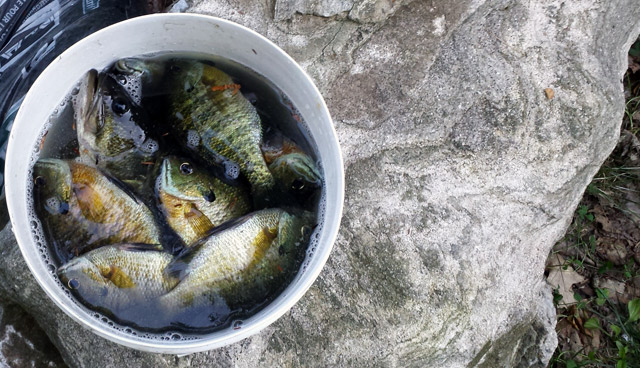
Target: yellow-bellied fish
242	263
117	277
209	116
84	209
194	201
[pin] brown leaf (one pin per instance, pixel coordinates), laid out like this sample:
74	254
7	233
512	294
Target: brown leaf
595	340
616	288
602	218
612	249
549	93
563	279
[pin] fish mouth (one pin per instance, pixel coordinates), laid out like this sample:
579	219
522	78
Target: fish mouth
130	66
166	184
85	102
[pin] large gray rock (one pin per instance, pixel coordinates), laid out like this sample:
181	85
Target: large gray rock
461	175
22	342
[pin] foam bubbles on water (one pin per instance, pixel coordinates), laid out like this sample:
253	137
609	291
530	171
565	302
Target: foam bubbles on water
315	235
231	169
53	205
149	146
193	139
132	83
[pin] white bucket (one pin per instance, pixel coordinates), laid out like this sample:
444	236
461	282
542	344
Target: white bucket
162	33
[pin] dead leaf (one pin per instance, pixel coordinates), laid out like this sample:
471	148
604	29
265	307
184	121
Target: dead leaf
612	249
575	343
563	279
595	340
616	288
549	93
602	218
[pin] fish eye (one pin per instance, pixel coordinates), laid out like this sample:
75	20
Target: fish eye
174	68
63	209
297	184
305	231
121	79
119	106
73	284
210	197
186	168
39	181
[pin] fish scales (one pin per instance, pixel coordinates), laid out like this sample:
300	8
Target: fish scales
227	123
85	210
294	170
242	263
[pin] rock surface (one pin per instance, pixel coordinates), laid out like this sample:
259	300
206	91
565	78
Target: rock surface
461	171
22	341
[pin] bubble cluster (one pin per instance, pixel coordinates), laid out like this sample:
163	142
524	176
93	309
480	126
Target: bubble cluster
149	146
315	235
193	139
53	204
231	170
132	83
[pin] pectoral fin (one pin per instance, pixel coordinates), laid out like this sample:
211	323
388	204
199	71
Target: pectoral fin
90	202
200	224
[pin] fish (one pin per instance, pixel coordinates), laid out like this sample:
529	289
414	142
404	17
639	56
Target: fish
116	277
113	129
209	116
245	261
194	201
293	169
83	209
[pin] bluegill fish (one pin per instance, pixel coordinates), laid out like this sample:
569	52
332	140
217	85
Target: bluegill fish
83	209
209	116
293	169
117	277
194	201
244	262
111	130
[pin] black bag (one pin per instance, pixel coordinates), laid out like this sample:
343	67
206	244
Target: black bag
34	32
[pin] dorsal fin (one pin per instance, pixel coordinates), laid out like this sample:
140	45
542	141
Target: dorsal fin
139	247
200	224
